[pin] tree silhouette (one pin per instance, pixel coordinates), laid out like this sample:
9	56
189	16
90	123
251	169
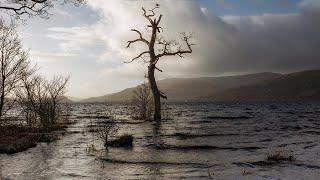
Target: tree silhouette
157	48
13	64
32	7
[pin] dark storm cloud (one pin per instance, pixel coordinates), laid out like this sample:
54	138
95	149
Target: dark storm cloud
224	45
270	42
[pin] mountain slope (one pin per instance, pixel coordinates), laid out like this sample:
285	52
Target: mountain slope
191	89
303	85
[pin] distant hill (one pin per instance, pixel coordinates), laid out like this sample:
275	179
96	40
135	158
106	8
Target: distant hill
191	89
74	99
121	96
303	85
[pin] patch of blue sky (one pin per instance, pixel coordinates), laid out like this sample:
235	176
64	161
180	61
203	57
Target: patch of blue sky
251	7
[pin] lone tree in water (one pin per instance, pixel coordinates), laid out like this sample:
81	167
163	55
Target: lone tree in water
157	48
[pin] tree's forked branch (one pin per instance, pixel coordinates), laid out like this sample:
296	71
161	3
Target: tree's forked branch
141	39
166	51
149	17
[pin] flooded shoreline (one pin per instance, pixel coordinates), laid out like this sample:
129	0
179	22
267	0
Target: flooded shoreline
232	143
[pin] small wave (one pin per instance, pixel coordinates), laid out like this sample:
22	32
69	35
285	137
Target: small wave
310	146
228	117
118	161
244	164
191	136
310	166
291	112
92	117
204	147
312	132
73	175
271	163
122	122
130	122
287	127
266	140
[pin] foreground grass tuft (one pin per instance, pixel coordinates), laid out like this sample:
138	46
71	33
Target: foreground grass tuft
280	156
15	138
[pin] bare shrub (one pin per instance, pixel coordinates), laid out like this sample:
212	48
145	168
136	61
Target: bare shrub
13	64
106	129
41	100
142	103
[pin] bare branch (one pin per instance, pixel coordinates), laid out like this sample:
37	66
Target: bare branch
141	39
33	7
163	95
148	17
139	56
158	21
158	69
180	51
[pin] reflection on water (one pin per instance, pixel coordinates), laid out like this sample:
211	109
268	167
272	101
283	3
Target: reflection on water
220	139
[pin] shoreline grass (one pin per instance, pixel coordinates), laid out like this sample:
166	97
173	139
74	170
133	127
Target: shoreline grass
17	138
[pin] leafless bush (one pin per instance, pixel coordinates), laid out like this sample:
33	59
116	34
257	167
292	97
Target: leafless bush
142	102
106	129
41	100
13	64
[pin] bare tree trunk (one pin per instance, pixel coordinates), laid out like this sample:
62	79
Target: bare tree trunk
2	98
155	92
1	105
3	78
168	48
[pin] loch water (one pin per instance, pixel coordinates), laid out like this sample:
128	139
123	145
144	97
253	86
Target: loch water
221	140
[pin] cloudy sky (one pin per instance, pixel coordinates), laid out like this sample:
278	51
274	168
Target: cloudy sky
232	37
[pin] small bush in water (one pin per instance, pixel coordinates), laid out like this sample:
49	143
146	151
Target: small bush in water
122	141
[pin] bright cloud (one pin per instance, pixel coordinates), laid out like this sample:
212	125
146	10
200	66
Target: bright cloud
226	44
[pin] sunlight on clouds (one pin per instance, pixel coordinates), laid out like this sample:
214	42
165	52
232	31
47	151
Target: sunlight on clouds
46	56
225	45
72	39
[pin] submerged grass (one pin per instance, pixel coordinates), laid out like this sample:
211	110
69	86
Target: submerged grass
16	138
279	156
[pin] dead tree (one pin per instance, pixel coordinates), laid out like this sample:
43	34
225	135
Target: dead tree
13	65
32	7
156	48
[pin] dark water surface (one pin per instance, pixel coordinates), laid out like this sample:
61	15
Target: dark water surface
196	141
